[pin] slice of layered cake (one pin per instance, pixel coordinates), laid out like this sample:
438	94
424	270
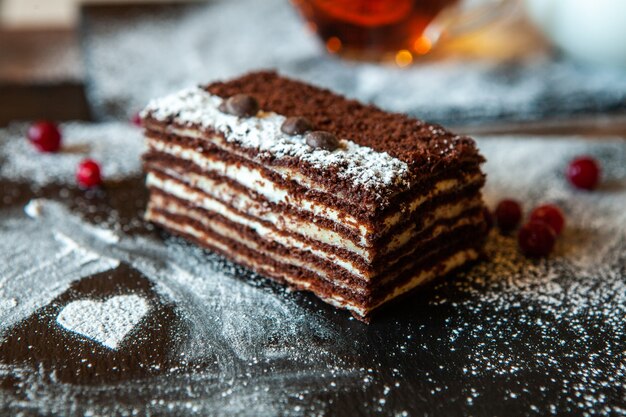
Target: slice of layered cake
354	204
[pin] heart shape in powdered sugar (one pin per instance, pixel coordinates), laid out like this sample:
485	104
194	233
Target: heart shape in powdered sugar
106	322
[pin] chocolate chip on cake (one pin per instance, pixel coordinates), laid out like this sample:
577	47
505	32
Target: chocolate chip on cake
321	139
296	126
240	105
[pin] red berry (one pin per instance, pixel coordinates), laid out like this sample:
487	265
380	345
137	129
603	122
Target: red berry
88	174
136	119
584	172
536	239
550	214
45	136
508	214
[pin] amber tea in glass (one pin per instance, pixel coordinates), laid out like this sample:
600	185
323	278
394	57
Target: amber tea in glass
378	29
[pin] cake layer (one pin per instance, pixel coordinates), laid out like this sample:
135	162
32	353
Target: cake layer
288	216
211	151
357	170
241	209
329	265
248	175
362	303
361	171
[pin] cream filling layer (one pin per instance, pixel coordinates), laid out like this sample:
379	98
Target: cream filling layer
455	261
263	231
440	213
257	182
442	268
224	145
282	221
229	203
437	231
229	233
290	242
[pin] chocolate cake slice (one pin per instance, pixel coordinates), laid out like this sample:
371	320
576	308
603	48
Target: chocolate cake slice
357	205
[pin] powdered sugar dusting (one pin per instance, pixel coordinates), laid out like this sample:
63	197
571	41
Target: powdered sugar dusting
546	315
234	332
511	336
361	165
29	279
116	146
105	322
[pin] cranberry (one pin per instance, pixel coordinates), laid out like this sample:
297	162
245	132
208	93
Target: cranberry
550	214
45	136
508	214
584	172
536	239
88	174
136	119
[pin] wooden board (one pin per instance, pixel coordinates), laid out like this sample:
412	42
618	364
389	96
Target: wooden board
41	76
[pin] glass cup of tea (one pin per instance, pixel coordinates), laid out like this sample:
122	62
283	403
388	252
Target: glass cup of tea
395	29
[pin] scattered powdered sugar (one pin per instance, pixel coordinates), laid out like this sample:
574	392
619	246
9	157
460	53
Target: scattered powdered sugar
186	273
237	336
562	316
359	164
36	265
115	146
198	51
509	336
106	322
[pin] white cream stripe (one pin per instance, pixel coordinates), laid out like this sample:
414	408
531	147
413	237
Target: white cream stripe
239	202
230	234
266	232
443	267
156	201
254	180
216	203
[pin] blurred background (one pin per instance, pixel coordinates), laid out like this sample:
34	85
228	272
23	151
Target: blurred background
481	66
